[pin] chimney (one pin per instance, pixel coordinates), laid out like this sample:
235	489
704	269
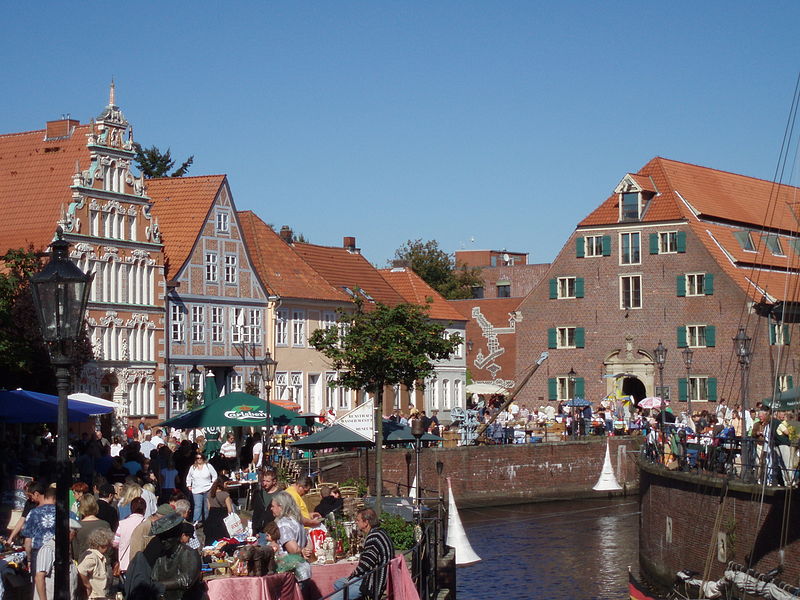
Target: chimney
286	234
60	129
350	244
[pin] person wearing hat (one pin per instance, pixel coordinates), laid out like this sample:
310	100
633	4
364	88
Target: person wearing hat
143	534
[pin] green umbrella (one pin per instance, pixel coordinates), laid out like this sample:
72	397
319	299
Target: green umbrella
236	409
335	436
210	391
786	400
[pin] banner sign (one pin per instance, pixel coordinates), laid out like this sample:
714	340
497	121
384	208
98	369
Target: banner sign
360	420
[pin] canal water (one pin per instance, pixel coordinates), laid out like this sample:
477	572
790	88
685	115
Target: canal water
572	550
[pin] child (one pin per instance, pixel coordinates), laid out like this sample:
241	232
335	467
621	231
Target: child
93	569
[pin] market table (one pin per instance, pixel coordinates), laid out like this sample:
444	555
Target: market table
323	576
280	586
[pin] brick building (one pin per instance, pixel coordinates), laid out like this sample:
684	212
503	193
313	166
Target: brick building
678	254
504	274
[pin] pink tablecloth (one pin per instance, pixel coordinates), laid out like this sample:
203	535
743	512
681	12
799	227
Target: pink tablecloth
323	576
281	586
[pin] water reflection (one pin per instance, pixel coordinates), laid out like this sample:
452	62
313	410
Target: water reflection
576	550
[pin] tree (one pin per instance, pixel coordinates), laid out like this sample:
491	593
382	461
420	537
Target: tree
154	163
380	347
438	269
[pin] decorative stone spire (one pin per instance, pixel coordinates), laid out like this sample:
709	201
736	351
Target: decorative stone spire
111	99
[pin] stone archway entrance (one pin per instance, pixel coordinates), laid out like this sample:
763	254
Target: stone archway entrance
630	372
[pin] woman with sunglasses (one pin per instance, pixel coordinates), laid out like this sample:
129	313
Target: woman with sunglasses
199	479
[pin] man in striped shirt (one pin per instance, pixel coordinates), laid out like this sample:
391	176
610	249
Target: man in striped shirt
367	581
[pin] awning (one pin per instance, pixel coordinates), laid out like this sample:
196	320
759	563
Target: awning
23	406
486	389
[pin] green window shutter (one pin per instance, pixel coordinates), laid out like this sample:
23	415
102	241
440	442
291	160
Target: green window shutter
579	387
606	245
682	390
681	337
681	238
579	287
580	247
653	243
551	337
790	382
708	284
552	389
772	327
580	337
712	389
680	280
786	335
711	336
553	289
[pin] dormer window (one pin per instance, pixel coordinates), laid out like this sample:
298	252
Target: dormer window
774	244
630	206
745	240
634	192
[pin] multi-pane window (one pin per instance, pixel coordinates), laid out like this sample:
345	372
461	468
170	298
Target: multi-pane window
231	268
217	324
281	385
296	387
695	284
282	327
477	291
696	336
446	393
328	319
630	288
566	287
211	266
667	242
594	245
630	248
198	323
565	337
298	328
222	222
255	325
565	387
176	322
698	389
629	207
240	332
504	291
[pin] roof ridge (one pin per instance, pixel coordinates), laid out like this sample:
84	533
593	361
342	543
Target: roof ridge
168	178
20	133
688	164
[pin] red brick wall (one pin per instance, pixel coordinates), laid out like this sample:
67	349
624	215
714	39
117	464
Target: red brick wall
693	506
495	475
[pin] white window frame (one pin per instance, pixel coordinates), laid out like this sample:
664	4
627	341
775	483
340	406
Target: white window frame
281	384
627	303
212	267
622	216
697	388
296	385
231	268
667	242
177	322
217	324
255	325
198	323
223	221
299	328
630	235
695	284
694	335
240	332
783	382
282	327
565	389
328	319
565	337
593	245
566	287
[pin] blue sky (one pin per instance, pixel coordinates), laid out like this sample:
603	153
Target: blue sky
499	122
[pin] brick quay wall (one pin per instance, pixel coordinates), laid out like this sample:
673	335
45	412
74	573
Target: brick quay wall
496	475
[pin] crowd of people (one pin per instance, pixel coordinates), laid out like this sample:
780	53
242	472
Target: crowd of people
143	507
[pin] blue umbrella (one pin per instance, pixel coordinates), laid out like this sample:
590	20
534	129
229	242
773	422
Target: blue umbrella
578	402
23	406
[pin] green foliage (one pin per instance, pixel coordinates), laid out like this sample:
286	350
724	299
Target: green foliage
251	387
384	346
438	269
401	532
360	483
154	163
192	398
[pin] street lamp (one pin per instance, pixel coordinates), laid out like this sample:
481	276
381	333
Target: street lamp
744	352
269	365
688	355
417	430
661	358
571	376
60	294
194	375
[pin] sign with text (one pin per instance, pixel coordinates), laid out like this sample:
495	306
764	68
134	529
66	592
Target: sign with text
360	420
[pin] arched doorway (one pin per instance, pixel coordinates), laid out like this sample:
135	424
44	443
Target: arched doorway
632	386
630	371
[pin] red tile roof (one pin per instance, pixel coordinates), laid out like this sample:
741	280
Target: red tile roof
181	205
414	289
35	180
717	204
280	267
342	268
496	310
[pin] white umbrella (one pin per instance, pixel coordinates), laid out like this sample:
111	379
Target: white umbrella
650	402
486	388
89	399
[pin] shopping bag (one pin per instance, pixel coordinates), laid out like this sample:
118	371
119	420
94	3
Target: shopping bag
233	524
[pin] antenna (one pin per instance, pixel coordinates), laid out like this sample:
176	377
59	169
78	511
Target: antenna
506	257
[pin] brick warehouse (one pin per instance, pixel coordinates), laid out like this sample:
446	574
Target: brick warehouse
678	254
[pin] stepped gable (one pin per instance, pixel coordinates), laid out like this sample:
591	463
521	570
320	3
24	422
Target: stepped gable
414	289
181	204
346	268
282	269
718	206
36	172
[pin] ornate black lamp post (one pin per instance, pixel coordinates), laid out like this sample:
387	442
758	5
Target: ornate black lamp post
688	354
60	293
270	365
661	358
417	430
744	352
